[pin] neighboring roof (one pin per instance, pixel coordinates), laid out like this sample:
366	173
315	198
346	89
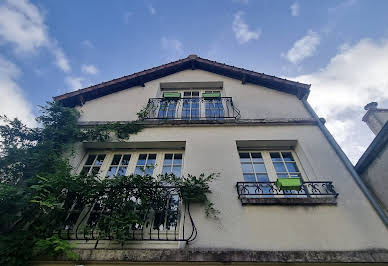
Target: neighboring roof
191	62
377	145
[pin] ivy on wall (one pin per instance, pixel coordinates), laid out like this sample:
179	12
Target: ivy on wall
38	189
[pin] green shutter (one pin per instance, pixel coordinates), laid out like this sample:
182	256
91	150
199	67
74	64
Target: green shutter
171	94
293	183
211	95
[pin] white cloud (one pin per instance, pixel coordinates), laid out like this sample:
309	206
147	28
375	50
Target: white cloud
303	48
354	77
22	25
241	29
89	69
12	101
74	83
151	9
172	47
295	9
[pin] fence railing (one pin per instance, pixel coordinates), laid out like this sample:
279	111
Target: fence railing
192	109
164	217
311	189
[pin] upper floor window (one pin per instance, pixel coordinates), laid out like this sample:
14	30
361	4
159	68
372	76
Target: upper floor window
93	164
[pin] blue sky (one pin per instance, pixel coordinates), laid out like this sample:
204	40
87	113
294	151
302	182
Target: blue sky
341	47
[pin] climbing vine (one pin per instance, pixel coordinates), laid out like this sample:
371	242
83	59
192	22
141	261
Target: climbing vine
38	189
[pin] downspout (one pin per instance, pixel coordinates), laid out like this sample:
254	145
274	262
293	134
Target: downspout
347	164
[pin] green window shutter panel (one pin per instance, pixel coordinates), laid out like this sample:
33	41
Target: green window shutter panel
171	94
293	183
211	95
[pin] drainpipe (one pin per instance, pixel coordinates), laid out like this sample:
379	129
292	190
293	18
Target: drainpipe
347	164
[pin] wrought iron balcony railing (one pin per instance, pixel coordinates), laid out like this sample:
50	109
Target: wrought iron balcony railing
166	218
192	109
314	192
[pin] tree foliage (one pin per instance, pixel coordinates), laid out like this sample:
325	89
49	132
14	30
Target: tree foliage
38	189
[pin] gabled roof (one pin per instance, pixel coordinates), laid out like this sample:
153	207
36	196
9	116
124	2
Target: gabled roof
191	62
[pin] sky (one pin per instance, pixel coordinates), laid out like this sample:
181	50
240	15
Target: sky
48	48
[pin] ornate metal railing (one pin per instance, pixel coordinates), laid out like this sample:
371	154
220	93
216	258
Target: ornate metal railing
192	109
269	189
168	219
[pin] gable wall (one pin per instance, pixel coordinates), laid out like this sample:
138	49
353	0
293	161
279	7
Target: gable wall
254	102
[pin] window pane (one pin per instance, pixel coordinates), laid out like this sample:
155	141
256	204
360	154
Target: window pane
262	178
85	170
247	168
167	159
151	159
249	178
276	157
149	170
195	93
90	159
256	157
287	156
116	159
260	168
95	170
142	159
177	159
112	171
122	170
125	160
279	167
282	175
100	159
295	175
176	170
187	93
244	157
292	167
166	169
139	170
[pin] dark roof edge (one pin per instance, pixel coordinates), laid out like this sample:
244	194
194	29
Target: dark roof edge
377	145
191	62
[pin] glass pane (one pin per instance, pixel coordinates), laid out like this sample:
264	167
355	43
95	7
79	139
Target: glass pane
276	157
95	170
139	170
244	157
149	170
195	93
292	167
125	160
287	156
262	178
166	169
116	159
151	159
176	170
187	93
178	159
90	159
260	168
122	170
282	175
279	167
247	168
112	171
256	157
295	175
167	159
85	170
142	159
100	159
249	178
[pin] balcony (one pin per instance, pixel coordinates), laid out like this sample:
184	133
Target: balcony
193	109
159	215
267	193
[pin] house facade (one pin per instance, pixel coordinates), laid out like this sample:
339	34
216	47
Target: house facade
372	166
254	130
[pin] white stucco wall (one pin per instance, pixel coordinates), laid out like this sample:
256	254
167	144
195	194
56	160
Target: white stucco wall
351	225
253	101
376	177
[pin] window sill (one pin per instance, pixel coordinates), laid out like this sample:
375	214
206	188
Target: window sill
289	201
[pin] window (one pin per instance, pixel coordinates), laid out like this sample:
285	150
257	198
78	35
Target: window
191	105
119	165
172	164
93	164
266	167
214	107
167	108
146	164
